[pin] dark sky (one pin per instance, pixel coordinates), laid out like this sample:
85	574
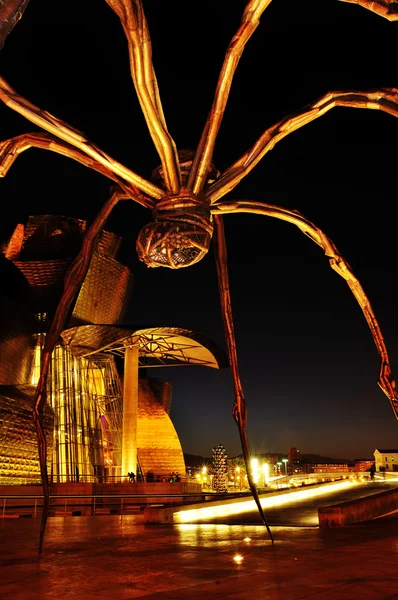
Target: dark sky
308	363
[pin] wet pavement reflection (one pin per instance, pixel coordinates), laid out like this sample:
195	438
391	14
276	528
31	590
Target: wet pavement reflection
113	557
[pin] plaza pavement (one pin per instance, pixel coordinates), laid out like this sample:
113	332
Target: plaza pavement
113	557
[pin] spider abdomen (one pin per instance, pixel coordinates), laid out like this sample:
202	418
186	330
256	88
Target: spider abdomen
181	234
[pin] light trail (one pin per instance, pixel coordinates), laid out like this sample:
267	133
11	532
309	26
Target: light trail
235	507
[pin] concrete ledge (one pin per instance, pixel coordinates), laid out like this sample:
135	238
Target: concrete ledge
357	511
156	515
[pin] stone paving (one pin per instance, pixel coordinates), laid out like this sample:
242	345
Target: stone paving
112	558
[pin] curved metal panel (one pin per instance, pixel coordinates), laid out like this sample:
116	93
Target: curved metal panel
108	243
105	292
19	457
158	346
158	446
89	339
49	237
163	391
16	325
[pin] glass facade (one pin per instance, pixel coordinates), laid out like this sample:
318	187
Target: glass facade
85	395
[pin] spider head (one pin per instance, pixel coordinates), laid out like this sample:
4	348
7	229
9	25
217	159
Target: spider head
181	234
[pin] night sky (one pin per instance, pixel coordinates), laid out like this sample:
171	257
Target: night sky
308	363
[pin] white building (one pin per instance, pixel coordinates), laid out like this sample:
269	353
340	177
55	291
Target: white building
386	460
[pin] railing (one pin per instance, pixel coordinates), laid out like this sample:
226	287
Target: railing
29	506
148	478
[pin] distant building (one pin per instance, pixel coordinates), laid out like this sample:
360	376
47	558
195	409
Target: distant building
301	468
331	468
364	464
293	455
386	459
271	458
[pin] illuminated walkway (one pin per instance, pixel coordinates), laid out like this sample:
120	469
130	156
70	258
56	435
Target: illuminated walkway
295	507
113	558
235	507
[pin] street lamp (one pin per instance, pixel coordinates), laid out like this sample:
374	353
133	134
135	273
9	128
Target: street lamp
254	466
204	476
278	471
284	460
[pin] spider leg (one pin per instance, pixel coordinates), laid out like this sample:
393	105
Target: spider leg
385	100
338	264
132	17
204	153
384	8
240	409
73	280
73	137
10	150
10	13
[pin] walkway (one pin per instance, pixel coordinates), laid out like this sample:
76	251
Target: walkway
114	558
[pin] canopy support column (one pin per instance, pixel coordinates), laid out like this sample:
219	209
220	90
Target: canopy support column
130	408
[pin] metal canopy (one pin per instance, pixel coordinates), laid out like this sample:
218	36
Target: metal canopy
158	346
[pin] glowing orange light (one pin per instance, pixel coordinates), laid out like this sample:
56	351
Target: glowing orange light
238	558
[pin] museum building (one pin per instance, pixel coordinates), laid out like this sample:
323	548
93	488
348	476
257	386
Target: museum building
104	415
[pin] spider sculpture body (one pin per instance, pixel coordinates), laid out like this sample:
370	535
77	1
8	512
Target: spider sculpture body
186	192
181	232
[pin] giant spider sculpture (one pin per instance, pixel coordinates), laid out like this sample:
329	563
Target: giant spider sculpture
186	193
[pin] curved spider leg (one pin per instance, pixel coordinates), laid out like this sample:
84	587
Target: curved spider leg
338	264
10	150
73	280
385	100
240	408
384	8
73	137
11	12
204	152
131	15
